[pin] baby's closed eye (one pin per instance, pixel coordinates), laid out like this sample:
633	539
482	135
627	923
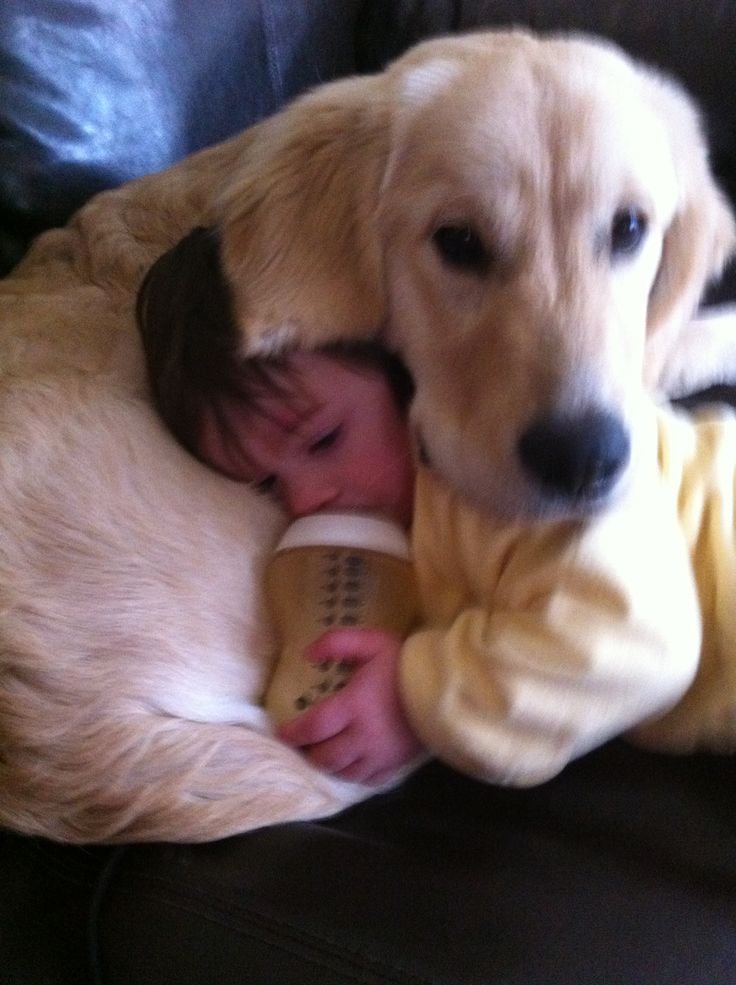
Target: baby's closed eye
326	440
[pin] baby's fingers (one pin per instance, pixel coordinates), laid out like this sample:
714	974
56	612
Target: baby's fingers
339	756
354	644
317	724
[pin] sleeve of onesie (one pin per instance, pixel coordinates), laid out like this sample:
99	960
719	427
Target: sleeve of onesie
584	636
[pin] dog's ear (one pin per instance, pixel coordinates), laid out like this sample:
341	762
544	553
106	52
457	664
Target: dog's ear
698	242
300	244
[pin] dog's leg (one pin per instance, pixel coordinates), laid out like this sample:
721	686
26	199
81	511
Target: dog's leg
704	356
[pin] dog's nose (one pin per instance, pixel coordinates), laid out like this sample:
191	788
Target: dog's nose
577	457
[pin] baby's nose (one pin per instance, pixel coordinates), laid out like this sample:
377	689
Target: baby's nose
303	498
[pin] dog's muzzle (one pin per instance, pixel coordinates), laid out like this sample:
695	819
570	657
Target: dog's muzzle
576	458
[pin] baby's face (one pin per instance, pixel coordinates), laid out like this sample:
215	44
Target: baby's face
332	437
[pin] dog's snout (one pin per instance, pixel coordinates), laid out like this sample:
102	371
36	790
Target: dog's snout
578	457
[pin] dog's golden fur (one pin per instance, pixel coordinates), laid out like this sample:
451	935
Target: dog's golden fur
133	645
133	648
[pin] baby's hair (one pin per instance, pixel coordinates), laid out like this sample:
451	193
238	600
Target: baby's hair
192	344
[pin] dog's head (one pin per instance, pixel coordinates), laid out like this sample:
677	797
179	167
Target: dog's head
521	219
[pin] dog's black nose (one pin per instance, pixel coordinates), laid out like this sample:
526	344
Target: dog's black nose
576	457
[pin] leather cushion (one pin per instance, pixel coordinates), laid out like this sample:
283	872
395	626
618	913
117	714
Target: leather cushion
93	94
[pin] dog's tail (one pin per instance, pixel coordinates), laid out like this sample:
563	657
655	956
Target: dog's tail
162	779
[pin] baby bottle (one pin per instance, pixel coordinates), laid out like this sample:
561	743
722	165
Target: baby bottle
331	570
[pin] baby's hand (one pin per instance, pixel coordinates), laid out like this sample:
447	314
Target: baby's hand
360	733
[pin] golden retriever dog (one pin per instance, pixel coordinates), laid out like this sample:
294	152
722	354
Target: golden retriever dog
530	222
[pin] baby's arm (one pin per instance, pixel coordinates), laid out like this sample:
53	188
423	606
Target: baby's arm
587	634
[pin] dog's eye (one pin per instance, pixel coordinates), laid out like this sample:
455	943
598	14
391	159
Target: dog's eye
628	229
461	247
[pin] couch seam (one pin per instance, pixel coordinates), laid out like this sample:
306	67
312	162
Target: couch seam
280	933
271	44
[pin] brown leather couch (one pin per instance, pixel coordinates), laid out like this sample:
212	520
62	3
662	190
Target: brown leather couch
622	871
